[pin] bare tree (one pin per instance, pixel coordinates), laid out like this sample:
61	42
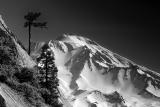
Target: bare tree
31	18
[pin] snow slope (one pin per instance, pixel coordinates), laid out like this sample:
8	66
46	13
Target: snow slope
92	76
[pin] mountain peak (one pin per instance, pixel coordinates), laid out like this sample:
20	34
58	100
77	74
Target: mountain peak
76	39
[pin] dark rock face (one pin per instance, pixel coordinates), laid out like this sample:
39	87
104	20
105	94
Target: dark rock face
2	102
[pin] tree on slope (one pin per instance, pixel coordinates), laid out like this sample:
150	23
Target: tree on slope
48	76
31	18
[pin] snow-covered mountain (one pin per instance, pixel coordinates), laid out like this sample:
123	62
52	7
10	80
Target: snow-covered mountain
93	76
89	74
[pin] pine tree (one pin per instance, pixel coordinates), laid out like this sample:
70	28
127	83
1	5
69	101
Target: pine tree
31	17
48	75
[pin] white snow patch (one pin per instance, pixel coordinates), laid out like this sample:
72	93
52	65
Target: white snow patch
102	64
153	90
78	42
91	55
140	71
149	75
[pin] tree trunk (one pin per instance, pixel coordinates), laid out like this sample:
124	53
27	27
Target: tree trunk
46	65
29	47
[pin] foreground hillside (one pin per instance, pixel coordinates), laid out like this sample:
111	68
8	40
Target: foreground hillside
19	86
11	59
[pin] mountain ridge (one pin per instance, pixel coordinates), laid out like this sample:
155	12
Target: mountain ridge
85	66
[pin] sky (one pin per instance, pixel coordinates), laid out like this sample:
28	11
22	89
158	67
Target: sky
130	29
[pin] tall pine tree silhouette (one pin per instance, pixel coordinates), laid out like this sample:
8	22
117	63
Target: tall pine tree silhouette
48	75
31	18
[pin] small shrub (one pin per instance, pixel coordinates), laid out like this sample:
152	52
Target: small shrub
29	92
8	52
28	76
12	83
3	78
25	75
8	70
